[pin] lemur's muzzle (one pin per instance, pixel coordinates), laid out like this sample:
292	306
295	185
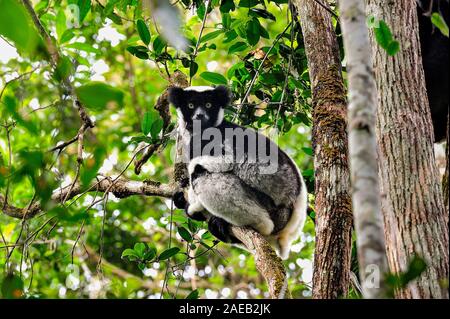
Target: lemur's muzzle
200	115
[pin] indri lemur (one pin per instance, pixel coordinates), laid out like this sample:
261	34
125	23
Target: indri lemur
231	179
435	59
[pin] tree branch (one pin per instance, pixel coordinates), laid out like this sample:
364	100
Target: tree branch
267	262
121	188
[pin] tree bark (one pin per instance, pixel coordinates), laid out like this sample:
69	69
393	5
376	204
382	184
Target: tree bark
329	139
412	205
362	150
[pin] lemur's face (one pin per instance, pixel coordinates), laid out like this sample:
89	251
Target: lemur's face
204	104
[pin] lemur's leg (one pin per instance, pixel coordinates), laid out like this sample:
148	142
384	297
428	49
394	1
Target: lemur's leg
221	229
195	209
225	196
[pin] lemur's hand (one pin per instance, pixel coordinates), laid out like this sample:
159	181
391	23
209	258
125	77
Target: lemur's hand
179	200
197	216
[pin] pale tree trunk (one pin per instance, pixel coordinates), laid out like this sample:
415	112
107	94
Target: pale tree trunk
362	150
331	273
412	206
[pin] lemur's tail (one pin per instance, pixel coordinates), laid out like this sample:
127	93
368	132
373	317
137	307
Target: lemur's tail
295	225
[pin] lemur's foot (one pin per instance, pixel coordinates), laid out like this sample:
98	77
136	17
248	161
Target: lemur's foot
221	229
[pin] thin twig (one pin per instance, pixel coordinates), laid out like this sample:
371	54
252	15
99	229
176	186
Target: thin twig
319	2
259	69
194	55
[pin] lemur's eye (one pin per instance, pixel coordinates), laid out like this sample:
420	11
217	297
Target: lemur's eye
191	105
208	105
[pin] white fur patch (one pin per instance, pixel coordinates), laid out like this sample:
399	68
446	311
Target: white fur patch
213	164
199	88
294	227
219	117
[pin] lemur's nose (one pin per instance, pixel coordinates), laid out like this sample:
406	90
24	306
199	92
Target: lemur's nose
199	116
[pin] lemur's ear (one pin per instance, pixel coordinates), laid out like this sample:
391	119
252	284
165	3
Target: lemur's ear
176	96
223	95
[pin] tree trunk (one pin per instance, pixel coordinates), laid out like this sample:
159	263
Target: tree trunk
412	205
445	189
329	139
362	150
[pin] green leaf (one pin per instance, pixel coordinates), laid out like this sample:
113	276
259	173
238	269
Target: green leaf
248	3
201	10
416	267
262	13
63	69
67	36
308	150
97	95
439	22
85	6
158	45
237	47
129	252
263	32
166	254
91	166
11	106
139	139
193	69
150	254
193	294
252	31
60	23
226	20
227	6
156	128
139	51
213	77
384	38
143	31
393	48
12	287
308	172
16	25
185	234
83	47
383	34
140	248
147	122
211	35
232	70
230	36
152	123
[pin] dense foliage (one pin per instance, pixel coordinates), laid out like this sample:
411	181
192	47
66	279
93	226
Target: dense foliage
119	61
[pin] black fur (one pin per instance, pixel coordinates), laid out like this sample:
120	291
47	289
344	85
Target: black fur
257	191
181	203
221	230
219	98
179	200
435	59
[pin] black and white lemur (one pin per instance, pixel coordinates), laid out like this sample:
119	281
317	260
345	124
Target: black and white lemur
435	58
228	188
237	176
